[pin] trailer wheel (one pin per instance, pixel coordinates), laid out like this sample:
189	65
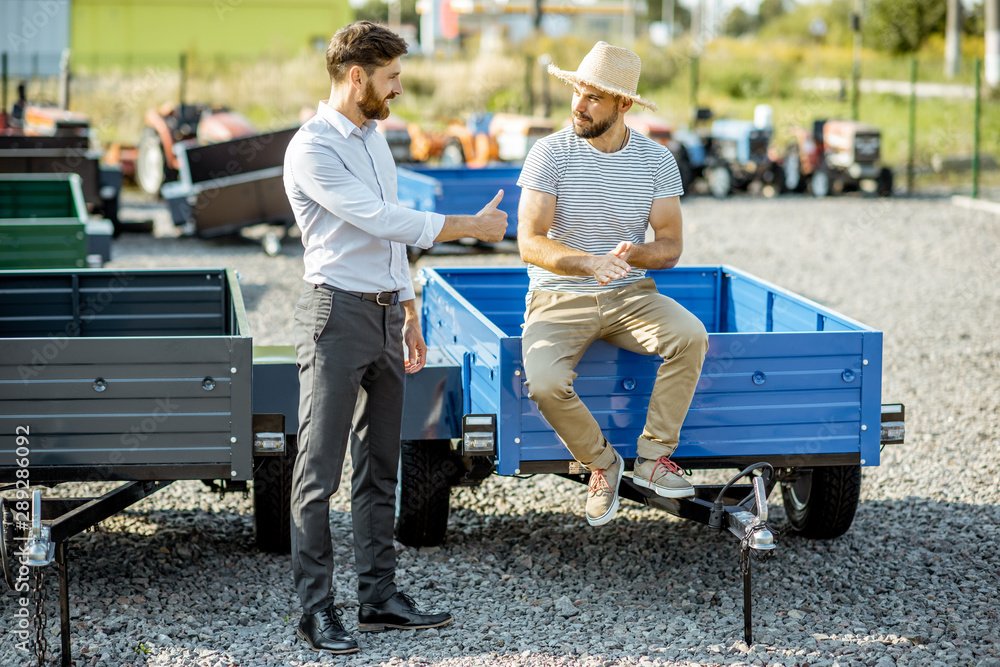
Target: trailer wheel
821	502
426	470
8	543
272	498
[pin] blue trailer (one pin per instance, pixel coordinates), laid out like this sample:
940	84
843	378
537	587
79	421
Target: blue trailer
460	190
790	390
786	382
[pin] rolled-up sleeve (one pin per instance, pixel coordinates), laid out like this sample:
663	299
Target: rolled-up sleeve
331	184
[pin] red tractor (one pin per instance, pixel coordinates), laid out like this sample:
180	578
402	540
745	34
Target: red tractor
836	156
170	124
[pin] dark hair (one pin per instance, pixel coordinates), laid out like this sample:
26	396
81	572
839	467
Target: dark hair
363	43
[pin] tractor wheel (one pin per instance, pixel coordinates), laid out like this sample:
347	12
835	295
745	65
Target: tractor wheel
773	179
884	182
426	471
720	181
684	168
821	502
794	181
452	155
821	183
272	498
151	170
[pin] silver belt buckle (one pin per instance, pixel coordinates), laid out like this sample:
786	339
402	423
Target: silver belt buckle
391	296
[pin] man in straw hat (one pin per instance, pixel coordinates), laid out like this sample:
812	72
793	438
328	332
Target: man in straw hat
588	194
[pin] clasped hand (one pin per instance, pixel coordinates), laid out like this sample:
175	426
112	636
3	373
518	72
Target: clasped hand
613	265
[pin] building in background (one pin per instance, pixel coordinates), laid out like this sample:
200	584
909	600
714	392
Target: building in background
496	21
136	33
33	35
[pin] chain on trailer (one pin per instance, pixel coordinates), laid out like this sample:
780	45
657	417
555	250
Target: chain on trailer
40	645
46	542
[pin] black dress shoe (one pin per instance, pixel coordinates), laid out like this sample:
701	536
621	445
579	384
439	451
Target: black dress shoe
398	612
323	631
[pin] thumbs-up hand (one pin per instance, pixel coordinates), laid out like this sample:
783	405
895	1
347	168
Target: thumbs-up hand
491	222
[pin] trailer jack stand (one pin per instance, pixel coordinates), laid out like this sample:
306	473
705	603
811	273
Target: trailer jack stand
67	658
54	522
746	566
747	606
755	538
742	509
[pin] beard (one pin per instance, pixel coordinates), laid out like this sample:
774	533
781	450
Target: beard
371	105
595	129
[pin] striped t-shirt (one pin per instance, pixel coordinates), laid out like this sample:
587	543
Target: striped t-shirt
602	199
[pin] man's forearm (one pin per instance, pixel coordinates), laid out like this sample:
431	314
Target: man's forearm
457	227
556	257
410	306
661	254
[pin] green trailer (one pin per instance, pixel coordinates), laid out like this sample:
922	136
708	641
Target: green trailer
44	225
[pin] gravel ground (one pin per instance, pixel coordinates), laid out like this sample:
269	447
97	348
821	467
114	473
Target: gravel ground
175	580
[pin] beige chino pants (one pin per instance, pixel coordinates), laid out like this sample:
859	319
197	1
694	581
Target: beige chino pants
560	326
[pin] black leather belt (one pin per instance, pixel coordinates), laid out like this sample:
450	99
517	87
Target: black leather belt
381	298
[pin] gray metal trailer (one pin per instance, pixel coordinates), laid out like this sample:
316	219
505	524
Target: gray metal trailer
138	377
226	186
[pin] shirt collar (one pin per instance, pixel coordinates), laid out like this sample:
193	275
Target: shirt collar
342	123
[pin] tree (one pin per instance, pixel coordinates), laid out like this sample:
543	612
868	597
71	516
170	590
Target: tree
378	11
902	26
974	20
770	10
738	23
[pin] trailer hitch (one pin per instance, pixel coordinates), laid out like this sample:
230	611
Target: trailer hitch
748	521
39	550
745	517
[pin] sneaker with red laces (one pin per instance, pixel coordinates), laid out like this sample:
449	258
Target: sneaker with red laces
663	476
602	499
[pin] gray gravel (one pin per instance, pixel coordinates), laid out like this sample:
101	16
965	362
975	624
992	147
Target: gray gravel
175	580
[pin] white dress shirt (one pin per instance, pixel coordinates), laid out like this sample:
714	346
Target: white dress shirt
341	182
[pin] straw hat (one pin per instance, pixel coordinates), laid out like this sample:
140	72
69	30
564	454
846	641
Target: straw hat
611	69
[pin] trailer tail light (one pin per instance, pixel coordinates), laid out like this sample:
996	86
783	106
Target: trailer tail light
893	426
479	435
268	443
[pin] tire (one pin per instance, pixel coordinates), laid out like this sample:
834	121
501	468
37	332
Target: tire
884	182
773	179
9	544
684	168
426	470
821	183
452	154
794	182
151	170
821	502
720	181
272	500
109	209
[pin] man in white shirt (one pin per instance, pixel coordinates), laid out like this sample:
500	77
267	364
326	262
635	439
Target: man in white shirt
356	332
589	193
